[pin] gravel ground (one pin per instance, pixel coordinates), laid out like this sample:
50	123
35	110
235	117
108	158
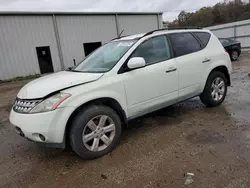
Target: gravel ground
156	150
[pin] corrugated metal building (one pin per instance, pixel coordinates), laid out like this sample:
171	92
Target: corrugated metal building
236	30
41	42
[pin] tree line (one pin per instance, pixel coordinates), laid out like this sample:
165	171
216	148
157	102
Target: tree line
219	14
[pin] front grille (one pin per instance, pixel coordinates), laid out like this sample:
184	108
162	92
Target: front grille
24	106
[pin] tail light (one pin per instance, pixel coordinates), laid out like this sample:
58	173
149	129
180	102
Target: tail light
237	43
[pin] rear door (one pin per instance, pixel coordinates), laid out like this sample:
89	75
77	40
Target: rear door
191	60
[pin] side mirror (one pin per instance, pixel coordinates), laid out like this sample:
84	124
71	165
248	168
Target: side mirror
136	62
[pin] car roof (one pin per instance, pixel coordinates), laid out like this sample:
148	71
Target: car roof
155	33
132	37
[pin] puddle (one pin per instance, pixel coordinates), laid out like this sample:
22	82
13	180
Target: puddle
205	137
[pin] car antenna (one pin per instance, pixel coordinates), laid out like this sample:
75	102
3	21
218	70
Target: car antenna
119	36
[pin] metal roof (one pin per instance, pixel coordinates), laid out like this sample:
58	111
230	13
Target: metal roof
76	13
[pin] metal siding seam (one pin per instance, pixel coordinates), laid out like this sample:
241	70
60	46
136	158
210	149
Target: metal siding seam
59	48
235	34
158	21
117	25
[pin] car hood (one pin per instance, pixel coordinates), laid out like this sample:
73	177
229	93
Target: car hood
46	85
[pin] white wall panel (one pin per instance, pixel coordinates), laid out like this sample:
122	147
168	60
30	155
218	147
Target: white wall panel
240	30
76	30
224	33
160	22
243	30
20	34
245	42
135	24
19	37
244	22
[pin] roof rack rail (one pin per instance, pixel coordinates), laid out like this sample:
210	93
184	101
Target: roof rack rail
151	32
174	28
188	27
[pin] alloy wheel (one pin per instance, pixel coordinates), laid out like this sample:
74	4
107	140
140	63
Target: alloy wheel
218	89
98	133
234	55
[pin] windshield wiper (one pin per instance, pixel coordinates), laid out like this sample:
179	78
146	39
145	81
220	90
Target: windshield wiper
72	70
76	71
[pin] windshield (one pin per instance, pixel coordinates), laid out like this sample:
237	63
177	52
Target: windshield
104	58
227	41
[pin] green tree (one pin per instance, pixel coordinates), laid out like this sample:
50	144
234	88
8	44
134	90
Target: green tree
220	13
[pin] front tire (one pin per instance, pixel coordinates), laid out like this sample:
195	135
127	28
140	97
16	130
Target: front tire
95	131
215	90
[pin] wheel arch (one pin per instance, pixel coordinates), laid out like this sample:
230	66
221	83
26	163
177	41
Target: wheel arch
110	102
220	68
224	70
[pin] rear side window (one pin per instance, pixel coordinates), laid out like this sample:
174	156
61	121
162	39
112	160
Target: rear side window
153	50
203	36
184	43
224	41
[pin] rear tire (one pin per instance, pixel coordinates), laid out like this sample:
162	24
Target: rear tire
89	134
234	55
215	90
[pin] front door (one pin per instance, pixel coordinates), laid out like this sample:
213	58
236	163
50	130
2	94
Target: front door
44	59
156	85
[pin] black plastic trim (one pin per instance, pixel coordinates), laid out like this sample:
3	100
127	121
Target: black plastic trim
203	45
168	71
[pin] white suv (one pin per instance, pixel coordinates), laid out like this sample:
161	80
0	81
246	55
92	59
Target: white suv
88	105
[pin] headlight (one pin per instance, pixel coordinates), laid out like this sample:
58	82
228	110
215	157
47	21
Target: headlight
51	103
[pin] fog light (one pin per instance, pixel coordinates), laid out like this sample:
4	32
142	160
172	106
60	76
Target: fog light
19	131
42	137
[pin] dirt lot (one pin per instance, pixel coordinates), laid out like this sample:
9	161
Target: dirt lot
156	151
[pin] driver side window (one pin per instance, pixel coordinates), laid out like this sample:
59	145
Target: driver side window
153	50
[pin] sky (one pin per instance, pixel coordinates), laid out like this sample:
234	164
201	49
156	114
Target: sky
171	8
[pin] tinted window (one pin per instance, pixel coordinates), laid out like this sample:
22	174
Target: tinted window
184	43
153	50
232	40
204	37
224	41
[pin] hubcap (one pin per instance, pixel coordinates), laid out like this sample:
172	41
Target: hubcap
218	89
234	55
98	133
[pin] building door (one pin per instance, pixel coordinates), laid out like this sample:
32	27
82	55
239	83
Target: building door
90	47
44	59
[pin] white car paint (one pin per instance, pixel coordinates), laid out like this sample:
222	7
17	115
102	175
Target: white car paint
47	84
144	89
50	124
138	92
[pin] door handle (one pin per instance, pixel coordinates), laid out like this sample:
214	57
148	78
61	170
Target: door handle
206	60
171	69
